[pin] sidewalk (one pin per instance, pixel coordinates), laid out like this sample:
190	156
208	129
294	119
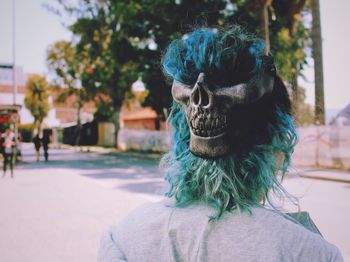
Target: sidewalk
334	175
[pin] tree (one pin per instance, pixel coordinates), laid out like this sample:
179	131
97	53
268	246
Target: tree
318	62
104	30
36	98
68	66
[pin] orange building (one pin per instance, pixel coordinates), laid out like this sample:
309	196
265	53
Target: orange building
66	111
142	118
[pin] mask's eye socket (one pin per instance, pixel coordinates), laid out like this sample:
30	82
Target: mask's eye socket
235	69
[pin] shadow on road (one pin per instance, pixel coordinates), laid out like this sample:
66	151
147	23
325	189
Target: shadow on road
78	160
155	187
129	171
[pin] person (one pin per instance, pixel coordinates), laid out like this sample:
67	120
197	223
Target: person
45	142
1	146
1	142
8	144
37	144
233	139
19	156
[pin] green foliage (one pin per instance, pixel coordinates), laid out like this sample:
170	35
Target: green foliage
63	61
36	98
289	52
67	65
103	30
104	112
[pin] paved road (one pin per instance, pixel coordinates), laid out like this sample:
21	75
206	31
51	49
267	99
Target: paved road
56	211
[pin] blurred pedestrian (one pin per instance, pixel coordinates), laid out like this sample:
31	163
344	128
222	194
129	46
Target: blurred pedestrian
19	147
1	146
45	142
37	144
8	144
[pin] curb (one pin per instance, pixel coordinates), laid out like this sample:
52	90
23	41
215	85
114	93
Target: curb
324	178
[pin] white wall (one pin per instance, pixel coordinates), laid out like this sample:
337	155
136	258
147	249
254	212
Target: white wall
144	140
327	146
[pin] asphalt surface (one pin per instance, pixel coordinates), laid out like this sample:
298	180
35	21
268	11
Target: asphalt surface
57	210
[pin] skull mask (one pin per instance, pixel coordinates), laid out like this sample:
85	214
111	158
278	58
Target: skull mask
210	109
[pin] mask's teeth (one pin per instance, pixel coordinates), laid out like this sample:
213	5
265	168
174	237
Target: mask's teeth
196	122
206	125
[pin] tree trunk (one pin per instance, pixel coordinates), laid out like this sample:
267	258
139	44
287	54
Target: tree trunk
116	120
77	140
318	61
263	9
295	94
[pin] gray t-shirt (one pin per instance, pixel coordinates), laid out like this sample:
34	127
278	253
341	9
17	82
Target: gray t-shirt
159	232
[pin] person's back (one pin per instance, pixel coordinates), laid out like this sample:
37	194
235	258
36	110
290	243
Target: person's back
160	232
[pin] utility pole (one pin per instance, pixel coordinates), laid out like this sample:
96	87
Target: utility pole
14	83
318	61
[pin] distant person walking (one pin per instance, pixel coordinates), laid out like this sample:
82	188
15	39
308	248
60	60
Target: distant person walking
8	144
2	152
45	142
37	144
1	142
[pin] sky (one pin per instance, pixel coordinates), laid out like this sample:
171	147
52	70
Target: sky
36	29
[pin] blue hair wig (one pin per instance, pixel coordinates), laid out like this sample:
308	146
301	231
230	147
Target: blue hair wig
244	178
219	54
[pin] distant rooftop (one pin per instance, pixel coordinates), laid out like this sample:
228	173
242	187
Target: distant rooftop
140	113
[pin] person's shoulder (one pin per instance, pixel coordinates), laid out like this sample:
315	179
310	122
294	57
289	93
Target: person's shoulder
146	217
295	236
141	228
146	209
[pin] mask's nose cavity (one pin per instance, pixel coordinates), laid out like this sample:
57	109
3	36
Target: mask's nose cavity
201	95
